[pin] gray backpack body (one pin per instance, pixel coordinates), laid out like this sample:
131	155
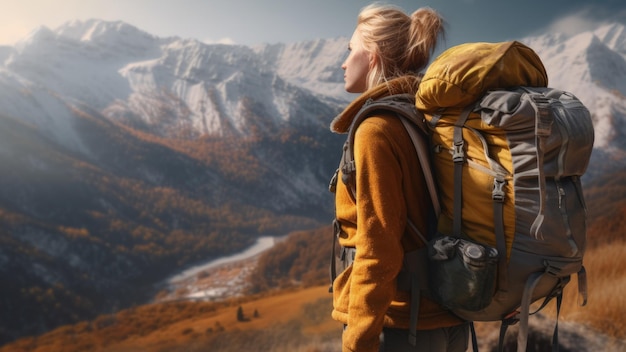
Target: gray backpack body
544	142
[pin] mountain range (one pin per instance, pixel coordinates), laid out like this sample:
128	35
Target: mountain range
127	157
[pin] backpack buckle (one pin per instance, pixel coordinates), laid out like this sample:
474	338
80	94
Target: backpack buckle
332	185
498	190
458	155
544	118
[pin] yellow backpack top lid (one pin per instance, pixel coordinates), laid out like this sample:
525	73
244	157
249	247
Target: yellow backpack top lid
463	73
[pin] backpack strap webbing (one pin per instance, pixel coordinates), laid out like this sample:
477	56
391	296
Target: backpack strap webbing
333	254
543	128
524	313
421	148
459	158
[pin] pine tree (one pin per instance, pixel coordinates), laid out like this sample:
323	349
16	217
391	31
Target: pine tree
240	315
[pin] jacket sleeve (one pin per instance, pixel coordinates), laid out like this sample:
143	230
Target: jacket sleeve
381	220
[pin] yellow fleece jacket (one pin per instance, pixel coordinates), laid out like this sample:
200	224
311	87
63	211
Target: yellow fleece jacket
389	186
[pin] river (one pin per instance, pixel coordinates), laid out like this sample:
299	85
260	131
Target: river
262	244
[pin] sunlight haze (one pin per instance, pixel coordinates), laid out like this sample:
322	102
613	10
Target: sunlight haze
249	22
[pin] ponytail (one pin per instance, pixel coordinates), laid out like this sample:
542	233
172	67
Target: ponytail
402	44
426	28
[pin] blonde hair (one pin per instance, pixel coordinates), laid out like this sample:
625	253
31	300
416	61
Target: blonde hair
402	44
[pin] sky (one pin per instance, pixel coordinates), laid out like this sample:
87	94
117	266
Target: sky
252	22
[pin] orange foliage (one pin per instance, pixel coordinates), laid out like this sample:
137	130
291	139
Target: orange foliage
301	260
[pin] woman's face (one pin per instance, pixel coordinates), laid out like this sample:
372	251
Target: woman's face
357	65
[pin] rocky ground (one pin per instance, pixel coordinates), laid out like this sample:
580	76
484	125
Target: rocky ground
572	337
215	283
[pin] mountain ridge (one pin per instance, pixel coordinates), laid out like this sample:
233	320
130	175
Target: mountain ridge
209	80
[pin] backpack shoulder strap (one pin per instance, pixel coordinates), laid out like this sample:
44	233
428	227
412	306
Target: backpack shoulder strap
413	120
422	148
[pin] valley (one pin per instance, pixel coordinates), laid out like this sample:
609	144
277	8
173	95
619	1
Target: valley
218	279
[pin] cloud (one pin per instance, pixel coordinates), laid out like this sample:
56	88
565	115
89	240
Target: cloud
586	19
225	40
574	24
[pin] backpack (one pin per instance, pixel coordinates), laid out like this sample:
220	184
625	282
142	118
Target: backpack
508	156
503	156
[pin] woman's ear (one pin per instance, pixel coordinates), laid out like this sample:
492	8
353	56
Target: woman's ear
373	59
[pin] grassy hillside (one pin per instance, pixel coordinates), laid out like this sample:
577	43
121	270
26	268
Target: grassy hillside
287	321
302	260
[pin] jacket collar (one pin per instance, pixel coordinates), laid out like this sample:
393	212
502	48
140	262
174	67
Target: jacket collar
401	85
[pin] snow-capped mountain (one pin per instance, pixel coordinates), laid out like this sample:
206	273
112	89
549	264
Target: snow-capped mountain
176	89
170	85
166	85
314	65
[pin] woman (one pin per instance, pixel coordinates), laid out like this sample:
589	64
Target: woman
387	51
